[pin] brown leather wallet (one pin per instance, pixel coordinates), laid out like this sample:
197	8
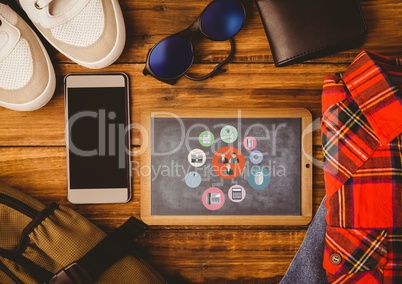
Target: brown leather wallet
304	29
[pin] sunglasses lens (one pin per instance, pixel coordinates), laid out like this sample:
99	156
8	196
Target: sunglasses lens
222	19
171	57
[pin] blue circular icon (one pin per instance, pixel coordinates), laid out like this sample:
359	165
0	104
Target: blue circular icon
259	177
192	179
256	157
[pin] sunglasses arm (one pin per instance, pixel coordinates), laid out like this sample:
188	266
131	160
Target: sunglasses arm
217	70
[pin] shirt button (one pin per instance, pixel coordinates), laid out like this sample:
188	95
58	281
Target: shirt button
336	258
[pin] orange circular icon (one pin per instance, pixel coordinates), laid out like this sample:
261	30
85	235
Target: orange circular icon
228	162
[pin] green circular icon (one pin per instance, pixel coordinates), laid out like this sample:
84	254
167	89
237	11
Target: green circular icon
206	138
229	134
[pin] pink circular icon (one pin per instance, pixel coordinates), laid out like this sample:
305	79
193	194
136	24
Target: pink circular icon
213	198
237	193
249	143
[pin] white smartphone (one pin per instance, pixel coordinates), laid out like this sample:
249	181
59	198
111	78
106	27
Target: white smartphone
98	138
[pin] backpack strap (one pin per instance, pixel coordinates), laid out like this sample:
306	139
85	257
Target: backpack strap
35	270
10	274
104	254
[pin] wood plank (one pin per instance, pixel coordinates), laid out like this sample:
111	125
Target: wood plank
244	85
230	256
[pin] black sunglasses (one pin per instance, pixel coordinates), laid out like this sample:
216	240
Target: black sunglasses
171	57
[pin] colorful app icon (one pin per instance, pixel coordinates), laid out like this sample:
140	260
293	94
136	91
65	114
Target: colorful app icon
206	138
197	157
228	162
256	157
229	134
237	193
259	177
192	179
250	143
213	198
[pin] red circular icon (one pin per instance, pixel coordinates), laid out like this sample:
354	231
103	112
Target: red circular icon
228	162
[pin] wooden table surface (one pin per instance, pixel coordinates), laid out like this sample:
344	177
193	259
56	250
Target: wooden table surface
33	153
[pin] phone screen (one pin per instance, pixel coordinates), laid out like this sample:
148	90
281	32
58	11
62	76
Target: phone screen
98	140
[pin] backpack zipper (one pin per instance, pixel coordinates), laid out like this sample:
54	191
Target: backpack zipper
18	205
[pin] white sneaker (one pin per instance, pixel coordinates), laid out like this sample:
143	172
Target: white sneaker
89	32
27	79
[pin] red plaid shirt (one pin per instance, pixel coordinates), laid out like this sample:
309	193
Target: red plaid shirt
362	146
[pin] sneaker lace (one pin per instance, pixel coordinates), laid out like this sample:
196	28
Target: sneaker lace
40	4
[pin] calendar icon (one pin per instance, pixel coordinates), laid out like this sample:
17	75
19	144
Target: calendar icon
237	193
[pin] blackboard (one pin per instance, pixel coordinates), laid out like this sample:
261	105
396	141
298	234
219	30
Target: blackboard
226	167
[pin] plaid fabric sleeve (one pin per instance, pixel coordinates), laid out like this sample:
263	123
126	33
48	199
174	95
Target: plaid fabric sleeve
378	99
347	138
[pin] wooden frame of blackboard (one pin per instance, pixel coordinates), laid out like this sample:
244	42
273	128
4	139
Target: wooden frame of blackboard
306	168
